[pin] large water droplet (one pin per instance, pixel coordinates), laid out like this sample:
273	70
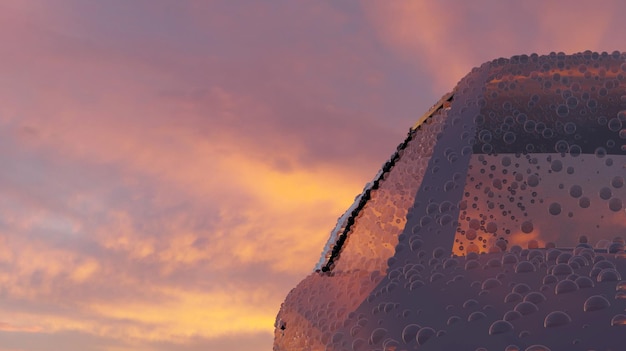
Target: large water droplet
562	269
526	308
424	334
527	227
453	319
615	204
377	335
491	283
470	303
524	267
474	316
584	202
512	297
555	208
608	275
595	303
535	297
409	332
556	319
500	327
618	320
550	279
605	193
576	191
614	124
512	315
358	344
565	286
584	282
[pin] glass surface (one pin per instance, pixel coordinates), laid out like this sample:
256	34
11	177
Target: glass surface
498	225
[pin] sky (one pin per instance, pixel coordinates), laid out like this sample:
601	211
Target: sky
172	168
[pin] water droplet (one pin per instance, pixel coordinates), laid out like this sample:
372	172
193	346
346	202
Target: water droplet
439	252
424	334
565	286
474	316
509	258
556	319
562	111
436	276
494	262
605	193
470	303
564	257
524	267
500	327
409	332
471	265
576	191
535	297
608	275
537	348
595	303
555	208
450	262
533	180
491	283
562	269
377	335
584	202
453	319
615	204
471	234
512	297
584	282
556	165
358	344
527	227
603	264
509	138
617	182
569	128
561	146
575	150
614	124
550	279
526	308
618	320
512	315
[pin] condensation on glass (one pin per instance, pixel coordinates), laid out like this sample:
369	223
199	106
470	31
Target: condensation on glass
498	224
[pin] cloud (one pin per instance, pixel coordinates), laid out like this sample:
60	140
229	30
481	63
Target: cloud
145	206
448	38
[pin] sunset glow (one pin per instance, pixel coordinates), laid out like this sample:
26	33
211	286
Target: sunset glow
171	169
